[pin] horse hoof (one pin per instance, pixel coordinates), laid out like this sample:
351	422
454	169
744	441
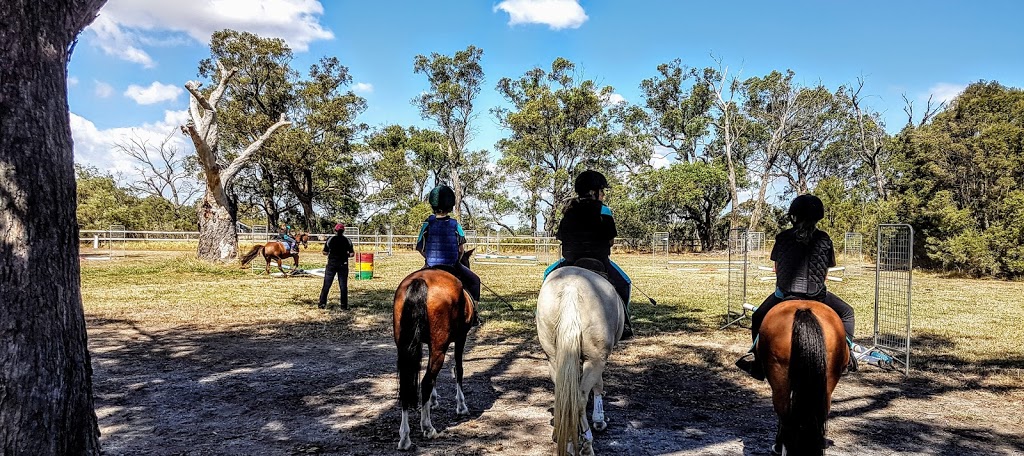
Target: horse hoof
600	425
430	433
462	410
404	444
588	448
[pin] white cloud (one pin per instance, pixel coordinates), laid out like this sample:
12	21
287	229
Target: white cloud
614	99
103	90
155	93
72	81
661	157
123	26
95	147
944	92
557	14
362	87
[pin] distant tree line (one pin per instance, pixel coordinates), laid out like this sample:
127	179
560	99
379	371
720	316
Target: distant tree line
732	151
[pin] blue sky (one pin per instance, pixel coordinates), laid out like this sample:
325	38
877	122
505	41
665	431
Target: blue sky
127	74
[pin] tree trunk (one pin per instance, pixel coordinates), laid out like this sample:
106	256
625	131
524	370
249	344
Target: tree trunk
46	401
755	215
218	236
453	176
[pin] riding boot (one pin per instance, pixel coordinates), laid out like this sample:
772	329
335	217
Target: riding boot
475	320
855	350
750	364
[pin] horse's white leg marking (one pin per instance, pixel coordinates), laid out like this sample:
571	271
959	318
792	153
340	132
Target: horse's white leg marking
428	429
587	444
599	422
460	401
433	398
404	442
593	371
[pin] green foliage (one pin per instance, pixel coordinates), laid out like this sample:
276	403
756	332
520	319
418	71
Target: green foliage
960	182
101	203
690	195
560	126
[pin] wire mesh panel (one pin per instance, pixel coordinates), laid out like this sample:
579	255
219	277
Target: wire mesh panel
542	244
117	238
853	253
736	305
893	285
660	243
352	233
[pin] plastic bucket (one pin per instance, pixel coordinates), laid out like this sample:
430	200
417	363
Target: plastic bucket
364	265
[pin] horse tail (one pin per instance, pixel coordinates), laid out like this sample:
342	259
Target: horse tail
256	250
567	371
808	404
413	327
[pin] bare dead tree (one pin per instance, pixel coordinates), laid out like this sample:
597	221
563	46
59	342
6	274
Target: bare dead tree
162	169
929	110
218	236
871	139
721	84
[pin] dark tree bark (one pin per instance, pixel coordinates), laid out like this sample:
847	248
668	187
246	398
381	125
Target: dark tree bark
46	402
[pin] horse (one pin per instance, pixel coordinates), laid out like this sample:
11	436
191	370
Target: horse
802	347
579	319
277	251
431	307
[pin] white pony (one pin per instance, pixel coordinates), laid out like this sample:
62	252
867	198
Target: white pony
579	320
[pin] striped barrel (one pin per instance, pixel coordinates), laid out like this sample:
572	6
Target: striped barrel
364	265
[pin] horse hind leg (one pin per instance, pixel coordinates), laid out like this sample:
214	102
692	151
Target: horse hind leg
593	380
427	388
460	399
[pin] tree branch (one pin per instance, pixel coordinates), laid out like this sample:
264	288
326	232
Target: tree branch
229	173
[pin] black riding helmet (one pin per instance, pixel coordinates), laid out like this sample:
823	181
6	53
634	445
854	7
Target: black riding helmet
588	181
807	207
442	198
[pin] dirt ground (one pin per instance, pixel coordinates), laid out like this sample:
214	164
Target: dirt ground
188	391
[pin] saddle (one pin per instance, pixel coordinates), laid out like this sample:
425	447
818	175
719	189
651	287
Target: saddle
593	265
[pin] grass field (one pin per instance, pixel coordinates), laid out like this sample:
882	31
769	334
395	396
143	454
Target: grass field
960	324
192	358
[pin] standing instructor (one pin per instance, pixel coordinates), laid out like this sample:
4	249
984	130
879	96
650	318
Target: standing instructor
338	250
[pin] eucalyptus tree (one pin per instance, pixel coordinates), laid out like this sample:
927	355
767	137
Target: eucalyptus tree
559	124
46	398
315	158
772	106
455	82
252	73
869	139
729	125
691	193
676	113
815	148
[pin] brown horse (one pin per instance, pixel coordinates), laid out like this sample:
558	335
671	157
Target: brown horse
276	250
803	350
432	308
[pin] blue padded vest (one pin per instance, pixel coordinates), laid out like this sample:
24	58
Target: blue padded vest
442	241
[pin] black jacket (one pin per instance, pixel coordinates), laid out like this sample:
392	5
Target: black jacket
587	230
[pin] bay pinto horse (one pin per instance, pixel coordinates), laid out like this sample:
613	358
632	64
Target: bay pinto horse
431	307
275	250
802	346
579	319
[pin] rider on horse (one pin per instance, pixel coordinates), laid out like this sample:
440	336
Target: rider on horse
802	255
442	241
587	230
285	235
